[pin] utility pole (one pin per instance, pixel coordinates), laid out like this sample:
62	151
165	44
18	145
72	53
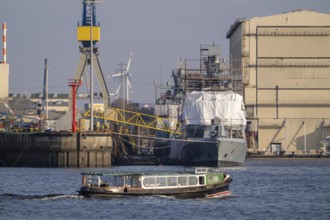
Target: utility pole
91	70
44	107
46	79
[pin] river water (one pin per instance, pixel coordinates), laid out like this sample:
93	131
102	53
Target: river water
263	189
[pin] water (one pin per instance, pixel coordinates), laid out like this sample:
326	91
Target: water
263	189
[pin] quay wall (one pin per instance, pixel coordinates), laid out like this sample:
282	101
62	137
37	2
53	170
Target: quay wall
56	149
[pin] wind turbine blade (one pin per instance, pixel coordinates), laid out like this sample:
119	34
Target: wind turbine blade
129	83
117	75
117	91
129	63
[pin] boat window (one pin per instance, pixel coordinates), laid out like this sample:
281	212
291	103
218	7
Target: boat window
213	179
135	182
182	180
201	170
171	181
161	181
119	181
193	180
128	180
201	180
109	180
149	181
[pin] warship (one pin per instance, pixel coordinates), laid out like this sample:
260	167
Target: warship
206	110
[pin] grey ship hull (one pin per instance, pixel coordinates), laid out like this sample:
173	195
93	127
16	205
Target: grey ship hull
212	152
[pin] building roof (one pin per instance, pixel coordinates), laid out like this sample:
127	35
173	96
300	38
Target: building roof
233	28
239	21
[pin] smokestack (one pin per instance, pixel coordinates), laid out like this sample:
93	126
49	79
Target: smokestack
4	40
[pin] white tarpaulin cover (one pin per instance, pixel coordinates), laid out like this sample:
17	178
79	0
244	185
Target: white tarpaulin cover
200	107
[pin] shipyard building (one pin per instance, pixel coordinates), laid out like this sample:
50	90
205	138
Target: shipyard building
4	87
4	75
284	64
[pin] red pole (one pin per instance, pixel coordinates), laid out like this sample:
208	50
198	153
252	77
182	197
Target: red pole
74	84
74	124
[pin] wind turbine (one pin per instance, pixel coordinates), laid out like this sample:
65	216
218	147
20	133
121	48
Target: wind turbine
124	76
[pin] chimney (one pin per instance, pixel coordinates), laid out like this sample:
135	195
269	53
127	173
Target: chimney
4	40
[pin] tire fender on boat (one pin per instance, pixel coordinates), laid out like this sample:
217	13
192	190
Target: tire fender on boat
227	179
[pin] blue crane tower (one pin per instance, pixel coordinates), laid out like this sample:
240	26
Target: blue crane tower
89	32
88	16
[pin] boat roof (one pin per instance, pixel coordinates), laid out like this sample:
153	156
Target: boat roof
132	174
112	173
123	173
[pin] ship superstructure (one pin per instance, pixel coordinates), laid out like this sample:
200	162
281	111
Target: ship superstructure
205	106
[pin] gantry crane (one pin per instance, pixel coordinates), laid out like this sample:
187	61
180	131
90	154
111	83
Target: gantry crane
88	33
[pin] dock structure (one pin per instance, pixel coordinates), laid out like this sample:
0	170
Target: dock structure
56	149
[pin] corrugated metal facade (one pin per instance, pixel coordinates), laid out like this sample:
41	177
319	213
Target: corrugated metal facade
285	63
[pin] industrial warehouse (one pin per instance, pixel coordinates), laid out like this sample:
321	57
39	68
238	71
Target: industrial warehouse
279	65
284	62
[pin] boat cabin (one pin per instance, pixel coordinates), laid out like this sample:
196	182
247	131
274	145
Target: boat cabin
200	177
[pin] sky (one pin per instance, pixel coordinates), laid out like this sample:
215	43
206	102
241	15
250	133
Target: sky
157	32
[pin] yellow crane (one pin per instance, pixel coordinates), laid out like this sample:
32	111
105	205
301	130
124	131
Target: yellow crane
135	119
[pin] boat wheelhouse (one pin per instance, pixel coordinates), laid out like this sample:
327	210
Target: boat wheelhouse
203	182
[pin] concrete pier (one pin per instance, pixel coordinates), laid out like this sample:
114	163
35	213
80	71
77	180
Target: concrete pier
56	149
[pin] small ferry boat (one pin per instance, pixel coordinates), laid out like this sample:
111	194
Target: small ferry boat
202	182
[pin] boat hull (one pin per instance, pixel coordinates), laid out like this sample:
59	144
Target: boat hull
205	191
209	152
